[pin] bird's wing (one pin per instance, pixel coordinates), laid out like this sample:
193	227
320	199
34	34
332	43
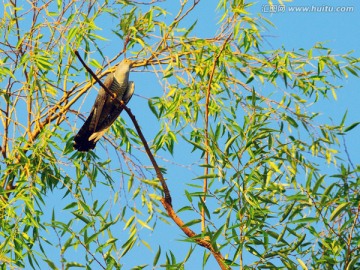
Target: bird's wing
81	140
115	112
98	106
129	92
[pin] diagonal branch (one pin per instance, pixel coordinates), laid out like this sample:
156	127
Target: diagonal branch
137	127
166	201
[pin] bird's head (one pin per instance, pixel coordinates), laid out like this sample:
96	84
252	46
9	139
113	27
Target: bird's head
123	69
126	62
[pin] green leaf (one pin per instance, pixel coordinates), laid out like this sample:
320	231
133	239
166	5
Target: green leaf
299	242
190	29
73	264
59	4
152	108
192	222
67	244
305	220
196	145
302	264
188	196
292	121
229	143
130	182
351	126
338	210
92	238
129	222
51	264
98	37
157	256
318	184
326	193
144	224
206	176
352	71
287	211
217	234
95	63
70	205
81	217
321	66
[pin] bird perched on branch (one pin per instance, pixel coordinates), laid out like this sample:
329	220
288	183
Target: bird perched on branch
105	109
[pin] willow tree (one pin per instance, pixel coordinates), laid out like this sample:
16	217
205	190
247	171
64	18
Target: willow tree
229	124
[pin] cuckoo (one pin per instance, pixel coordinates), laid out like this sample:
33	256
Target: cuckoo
105	110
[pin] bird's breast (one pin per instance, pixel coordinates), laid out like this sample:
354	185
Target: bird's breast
118	88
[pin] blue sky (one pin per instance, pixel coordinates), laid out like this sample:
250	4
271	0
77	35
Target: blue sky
340	31
294	30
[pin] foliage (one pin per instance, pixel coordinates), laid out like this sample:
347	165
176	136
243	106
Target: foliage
261	193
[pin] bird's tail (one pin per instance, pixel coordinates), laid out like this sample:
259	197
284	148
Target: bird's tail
81	140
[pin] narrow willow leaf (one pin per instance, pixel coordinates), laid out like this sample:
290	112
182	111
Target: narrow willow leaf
302	264
206	176
69	265
146	244
351	126
70	205
92	238
128	245
192	222
287	211
95	63
274	166
217	234
144	224
190	29
338	210
253	251
157	256
299	242
292	121
130	182
318	184
189	254
326	193
81	217
305	220
152	108
196	145
51	264
129	222
352	71
59	4
229	143
188	196
66	245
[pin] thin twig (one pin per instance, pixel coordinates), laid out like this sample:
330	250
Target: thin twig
206	158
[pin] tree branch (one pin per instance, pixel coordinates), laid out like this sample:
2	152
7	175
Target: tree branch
137	127
166	201
206	129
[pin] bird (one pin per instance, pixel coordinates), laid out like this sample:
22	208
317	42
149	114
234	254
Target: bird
105	109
